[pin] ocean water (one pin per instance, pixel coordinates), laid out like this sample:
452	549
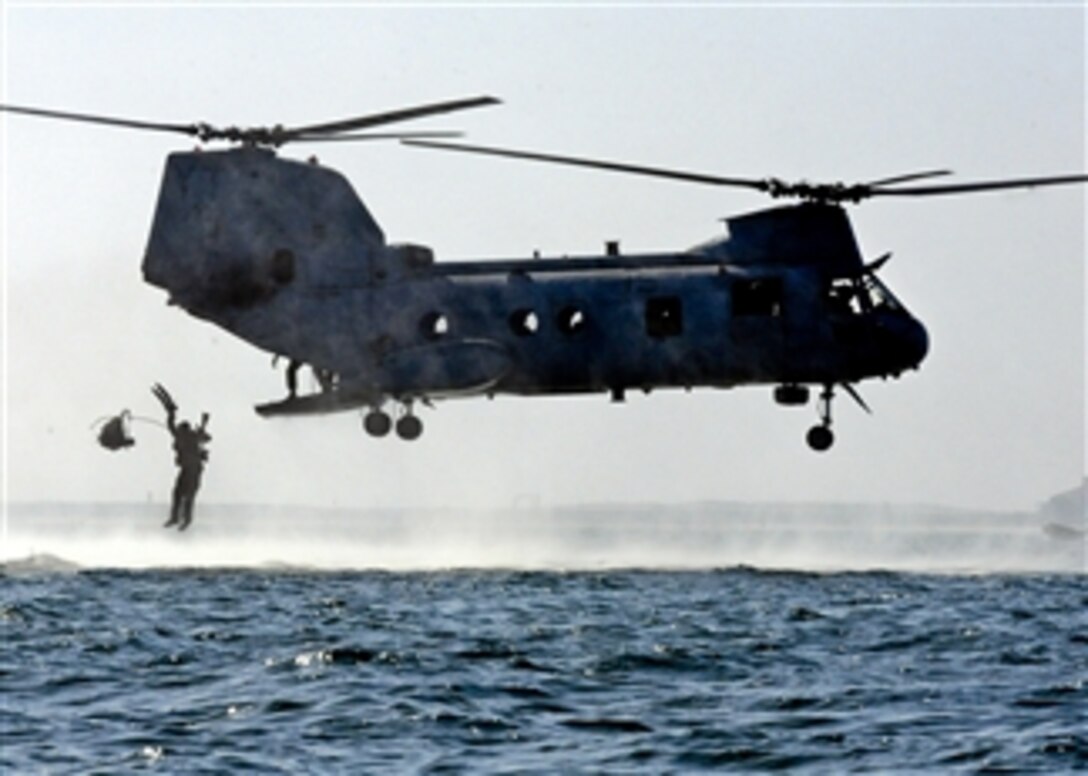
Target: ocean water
281	666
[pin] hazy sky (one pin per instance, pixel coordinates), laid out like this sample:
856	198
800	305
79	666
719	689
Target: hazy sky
995	418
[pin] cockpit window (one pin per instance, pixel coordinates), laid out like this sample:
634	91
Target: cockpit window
857	296
844	297
880	295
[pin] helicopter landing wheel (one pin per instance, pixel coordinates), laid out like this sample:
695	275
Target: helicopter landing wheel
409	427
377	423
820	438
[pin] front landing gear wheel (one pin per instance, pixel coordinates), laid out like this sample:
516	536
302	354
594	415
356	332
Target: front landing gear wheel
820	438
377	423
409	427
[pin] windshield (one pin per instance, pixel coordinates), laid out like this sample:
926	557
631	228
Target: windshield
858	296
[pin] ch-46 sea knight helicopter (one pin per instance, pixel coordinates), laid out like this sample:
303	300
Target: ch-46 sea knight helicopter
286	256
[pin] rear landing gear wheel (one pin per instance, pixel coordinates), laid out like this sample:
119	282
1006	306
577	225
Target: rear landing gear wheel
820	438
409	427
377	423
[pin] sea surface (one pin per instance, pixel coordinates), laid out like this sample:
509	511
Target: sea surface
284	667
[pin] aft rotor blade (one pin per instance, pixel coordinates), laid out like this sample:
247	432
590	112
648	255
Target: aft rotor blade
113	121
389	117
374	136
914	176
598	164
966	188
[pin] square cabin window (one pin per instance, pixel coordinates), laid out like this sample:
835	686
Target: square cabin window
757	297
664	316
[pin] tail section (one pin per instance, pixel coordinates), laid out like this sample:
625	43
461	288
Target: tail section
242	238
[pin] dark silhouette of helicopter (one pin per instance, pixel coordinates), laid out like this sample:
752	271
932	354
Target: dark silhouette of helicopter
286	256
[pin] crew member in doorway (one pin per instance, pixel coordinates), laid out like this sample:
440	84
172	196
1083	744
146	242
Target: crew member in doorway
293	366
326	378
189	456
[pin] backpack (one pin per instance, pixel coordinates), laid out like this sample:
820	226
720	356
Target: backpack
114	434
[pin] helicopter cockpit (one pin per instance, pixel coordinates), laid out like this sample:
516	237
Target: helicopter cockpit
867	319
861	295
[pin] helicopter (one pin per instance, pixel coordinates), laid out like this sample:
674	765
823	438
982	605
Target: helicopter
285	255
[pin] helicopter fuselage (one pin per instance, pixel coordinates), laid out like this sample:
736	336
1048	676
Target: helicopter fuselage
285	255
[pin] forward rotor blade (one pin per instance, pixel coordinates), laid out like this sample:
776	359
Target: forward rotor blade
965	188
911	177
598	164
187	129
390	117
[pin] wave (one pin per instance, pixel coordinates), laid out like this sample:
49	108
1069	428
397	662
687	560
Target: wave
815	538
37	563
